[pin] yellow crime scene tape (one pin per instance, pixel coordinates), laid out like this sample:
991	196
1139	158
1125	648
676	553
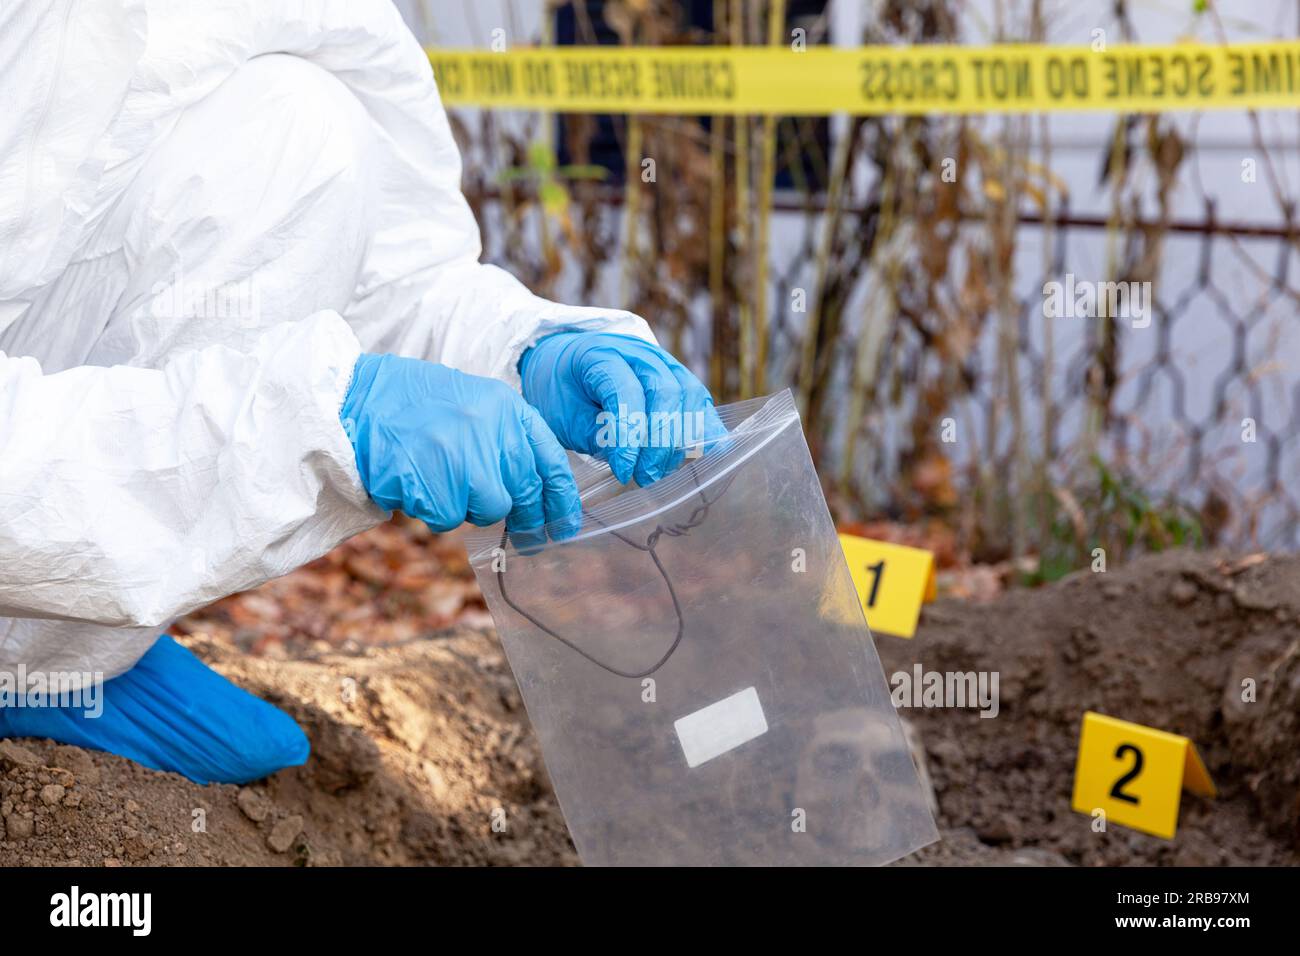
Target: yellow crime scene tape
873	80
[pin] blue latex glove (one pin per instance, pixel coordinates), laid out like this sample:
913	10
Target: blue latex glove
171	712
572	377
446	447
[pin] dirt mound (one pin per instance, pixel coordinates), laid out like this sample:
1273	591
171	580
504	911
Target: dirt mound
1167	641
422	752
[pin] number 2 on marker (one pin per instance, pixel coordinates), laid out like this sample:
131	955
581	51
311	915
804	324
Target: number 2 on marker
1135	774
877	572
1117	791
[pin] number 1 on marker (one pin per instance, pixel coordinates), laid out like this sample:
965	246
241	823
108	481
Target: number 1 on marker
893	606
877	572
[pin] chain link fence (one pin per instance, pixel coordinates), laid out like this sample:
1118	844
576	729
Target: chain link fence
916	280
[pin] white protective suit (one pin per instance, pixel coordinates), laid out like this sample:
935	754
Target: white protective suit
208	209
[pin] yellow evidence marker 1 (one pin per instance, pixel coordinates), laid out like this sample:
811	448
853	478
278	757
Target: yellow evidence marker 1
893	581
1136	774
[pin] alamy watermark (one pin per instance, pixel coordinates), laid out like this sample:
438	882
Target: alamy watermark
637	429
954	689
237	302
76	690
133	911
1085	299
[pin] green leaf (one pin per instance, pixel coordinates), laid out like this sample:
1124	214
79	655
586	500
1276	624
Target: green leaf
541	158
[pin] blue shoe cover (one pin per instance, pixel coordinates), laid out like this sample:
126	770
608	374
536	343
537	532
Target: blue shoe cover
172	712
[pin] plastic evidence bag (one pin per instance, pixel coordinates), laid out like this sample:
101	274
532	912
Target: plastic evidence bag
697	666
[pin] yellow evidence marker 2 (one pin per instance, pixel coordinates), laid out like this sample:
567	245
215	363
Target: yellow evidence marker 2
1136	774
893	581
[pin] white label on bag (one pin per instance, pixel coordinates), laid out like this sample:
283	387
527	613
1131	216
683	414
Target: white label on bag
720	727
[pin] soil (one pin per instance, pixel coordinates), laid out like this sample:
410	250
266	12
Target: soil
418	751
422	753
1167	642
